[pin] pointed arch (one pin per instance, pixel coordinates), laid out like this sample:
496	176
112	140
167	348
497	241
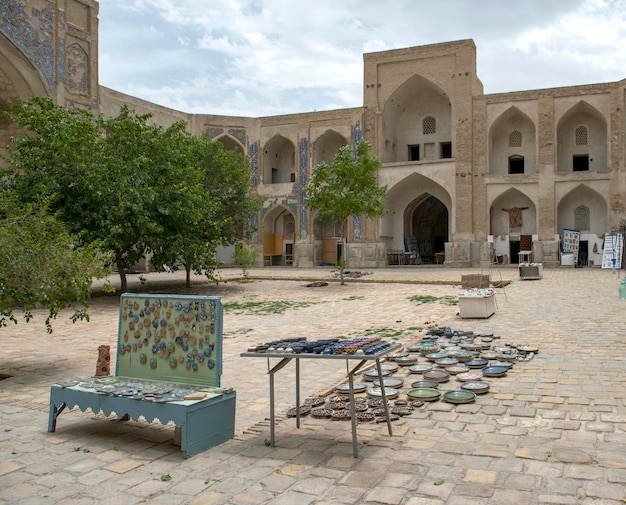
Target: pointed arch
582	139
404	114
583	195
512	213
326	147
279	160
512	144
231	144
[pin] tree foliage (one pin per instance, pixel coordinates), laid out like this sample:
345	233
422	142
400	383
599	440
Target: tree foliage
39	265
134	187
348	187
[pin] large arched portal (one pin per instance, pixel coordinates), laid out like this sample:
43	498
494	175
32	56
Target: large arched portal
279	234
426	227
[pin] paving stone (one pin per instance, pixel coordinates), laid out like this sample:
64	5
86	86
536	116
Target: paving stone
565	455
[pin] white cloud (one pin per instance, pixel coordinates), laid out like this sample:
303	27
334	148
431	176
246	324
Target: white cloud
265	57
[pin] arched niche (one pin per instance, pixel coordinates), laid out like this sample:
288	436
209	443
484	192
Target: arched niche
570	209
513	213
406	201
406	134
279	161
426	226
326	147
512	144
230	144
582	140
279	235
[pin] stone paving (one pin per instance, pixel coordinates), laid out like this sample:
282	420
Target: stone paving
552	431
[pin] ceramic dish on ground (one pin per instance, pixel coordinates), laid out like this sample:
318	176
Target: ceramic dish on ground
527	348
436	355
437	375
390	382
476	387
477	363
390	366
370	375
406	360
507	356
424	394
395	355
444	362
428	348
507	364
420	368
495	371
488	355
472	375
390	393
425	384
457	369
413	348
459	396
358	387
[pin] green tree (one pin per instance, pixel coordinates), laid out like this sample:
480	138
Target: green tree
348	187
40	266
245	256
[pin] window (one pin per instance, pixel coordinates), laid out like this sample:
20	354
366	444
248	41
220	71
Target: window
581	135
582	218
581	162
516	164
429	125
515	139
414	152
446	150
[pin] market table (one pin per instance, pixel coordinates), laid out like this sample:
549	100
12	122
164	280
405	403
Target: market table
284	358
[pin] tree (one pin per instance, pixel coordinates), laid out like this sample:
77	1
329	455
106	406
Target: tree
245	256
348	187
134	187
40	267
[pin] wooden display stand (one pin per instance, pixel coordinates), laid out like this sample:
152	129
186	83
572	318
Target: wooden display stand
530	271
168	368
477	305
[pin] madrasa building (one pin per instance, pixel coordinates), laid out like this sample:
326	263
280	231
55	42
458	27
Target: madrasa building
472	178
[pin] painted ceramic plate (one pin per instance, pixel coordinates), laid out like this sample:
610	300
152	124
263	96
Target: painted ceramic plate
390	393
444	362
495	371
477	363
390	382
424	394
406	360
370	375
472	375
425	384
437	375
359	387
457	369
476	387
390	366
459	396
420	368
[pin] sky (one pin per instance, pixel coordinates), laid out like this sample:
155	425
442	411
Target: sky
258	58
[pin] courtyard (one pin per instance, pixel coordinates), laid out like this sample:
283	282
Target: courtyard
552	431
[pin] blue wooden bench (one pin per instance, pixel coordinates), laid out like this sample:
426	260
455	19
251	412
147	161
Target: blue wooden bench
168	368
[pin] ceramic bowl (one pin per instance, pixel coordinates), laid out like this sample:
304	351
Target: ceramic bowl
424	394
459	396
437	375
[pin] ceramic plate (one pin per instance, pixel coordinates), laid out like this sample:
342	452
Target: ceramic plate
425	384
477	363
495	371
456	369
359	387
390	393
459	396
420	368
437	375
390	382
370	375
424	394
406	360
472	375
476	387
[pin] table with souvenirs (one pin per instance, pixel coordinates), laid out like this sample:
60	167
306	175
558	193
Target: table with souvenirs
357	353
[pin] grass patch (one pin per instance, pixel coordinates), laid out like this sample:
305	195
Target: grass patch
242	331
264	307
355	297
422	299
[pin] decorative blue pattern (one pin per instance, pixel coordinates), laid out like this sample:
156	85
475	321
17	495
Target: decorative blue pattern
213	132
32	34
239	134
304	177
254	164
357	221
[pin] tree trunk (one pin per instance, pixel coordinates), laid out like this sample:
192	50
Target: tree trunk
187	275
120	270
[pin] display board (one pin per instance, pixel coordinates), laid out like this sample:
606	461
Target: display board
170	338
612	253
571	242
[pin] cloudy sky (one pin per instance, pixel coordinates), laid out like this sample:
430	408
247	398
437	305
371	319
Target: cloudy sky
269	57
